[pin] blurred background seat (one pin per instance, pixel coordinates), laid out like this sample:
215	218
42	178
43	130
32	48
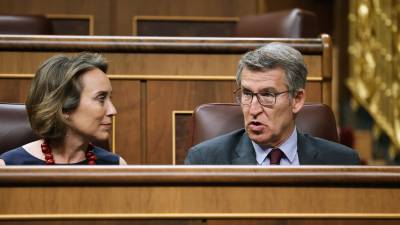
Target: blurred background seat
214	119
293	23
15	129
24	24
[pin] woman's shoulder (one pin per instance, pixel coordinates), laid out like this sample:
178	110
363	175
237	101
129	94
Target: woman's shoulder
19	156
105	157
16	151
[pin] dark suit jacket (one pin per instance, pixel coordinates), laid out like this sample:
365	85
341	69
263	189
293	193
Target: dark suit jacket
235	148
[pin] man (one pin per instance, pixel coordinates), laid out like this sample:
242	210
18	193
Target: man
271	92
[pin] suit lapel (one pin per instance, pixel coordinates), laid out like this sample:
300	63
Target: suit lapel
306	151
244	153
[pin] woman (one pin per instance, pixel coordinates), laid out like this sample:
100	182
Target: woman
69	104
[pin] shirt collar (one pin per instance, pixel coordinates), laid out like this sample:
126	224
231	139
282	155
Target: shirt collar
289	148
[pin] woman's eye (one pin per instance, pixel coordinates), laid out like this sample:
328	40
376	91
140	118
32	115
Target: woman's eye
101	98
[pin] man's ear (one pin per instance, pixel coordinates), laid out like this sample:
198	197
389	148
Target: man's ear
299	99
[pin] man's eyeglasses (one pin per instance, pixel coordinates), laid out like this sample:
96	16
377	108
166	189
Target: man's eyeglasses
265	98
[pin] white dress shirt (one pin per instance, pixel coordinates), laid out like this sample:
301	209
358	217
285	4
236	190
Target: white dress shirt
289	149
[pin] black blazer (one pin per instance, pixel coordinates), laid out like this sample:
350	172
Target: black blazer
235	148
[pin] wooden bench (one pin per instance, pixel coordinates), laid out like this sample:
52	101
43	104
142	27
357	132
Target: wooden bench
157	81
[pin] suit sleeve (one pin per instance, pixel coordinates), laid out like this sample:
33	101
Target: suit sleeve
193	157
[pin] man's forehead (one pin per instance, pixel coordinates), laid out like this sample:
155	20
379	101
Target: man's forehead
271	79
265	74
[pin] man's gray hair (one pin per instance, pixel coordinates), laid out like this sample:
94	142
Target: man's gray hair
272	56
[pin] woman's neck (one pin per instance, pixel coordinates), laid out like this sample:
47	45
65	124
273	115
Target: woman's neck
70	150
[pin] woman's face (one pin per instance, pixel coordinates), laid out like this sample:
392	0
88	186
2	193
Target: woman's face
93	117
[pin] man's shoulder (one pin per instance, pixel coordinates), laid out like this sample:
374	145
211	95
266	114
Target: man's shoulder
218	148
331	151
327	144
229	138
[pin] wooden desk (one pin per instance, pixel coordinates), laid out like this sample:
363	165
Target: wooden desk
157	81
199	195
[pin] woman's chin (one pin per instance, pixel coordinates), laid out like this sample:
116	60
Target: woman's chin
102	137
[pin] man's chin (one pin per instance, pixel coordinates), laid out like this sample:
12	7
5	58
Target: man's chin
257	137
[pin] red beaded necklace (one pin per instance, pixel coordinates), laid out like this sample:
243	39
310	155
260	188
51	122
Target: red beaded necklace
48	155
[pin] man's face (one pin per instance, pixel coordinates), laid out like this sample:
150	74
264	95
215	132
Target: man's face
269	126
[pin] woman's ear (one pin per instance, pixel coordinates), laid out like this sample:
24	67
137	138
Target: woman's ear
65	115
299	99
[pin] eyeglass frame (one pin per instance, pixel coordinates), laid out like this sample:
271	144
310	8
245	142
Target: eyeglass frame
275	95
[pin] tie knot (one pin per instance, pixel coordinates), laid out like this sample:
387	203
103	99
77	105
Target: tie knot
275	156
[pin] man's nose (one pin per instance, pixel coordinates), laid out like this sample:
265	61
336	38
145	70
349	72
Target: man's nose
255	107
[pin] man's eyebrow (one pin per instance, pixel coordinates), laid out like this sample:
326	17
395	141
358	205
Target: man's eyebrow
268	89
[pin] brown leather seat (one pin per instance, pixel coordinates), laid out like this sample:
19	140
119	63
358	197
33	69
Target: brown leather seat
214	119
15	129
29	24
293	23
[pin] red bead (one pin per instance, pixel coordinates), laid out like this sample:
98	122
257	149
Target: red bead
50	161
46	151
48	156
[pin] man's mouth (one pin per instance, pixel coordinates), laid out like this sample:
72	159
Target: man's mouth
255	126
256	123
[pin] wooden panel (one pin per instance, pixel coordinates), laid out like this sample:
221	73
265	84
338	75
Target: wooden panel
14	90
173	64
127	100
184	26
100	9
330	221
114	17
313	91
213	195
126	9
313	63
101	222
24	62
71	24
211	200
164	97
182	123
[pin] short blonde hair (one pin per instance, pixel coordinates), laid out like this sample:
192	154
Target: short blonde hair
56	89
